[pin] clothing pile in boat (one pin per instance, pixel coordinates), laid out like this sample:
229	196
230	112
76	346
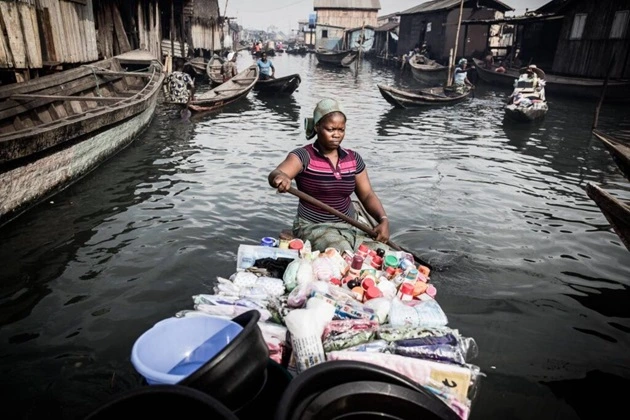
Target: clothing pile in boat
325	307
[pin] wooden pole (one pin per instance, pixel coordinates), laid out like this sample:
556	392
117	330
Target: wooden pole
172	35
453	56
360	44
601	98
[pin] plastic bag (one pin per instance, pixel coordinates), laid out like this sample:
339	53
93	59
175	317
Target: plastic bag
290	275
426	313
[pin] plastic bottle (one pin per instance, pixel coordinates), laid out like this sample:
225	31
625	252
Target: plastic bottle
405	292
355	266
372	292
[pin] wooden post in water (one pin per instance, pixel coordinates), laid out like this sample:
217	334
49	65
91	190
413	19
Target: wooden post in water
360	45
449	82
601	98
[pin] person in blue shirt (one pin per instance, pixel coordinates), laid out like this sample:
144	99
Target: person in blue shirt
267	70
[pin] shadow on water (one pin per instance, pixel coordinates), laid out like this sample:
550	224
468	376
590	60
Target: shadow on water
285	106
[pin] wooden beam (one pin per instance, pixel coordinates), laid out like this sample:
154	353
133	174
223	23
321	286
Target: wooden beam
69	98
123	73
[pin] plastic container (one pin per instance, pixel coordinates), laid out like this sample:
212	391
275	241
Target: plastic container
238	373
309	395
176	347
405	292
154	401
268	241
248	254
390	261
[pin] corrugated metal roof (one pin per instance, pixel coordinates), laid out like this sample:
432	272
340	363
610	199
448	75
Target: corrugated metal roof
437	5
387	27
347	4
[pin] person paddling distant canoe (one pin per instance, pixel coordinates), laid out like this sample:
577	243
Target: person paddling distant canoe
267	70
330	173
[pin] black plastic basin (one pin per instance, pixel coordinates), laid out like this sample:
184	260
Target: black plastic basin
377	391
155	400
237	374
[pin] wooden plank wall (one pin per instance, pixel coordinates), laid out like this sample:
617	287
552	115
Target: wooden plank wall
34	33
590	55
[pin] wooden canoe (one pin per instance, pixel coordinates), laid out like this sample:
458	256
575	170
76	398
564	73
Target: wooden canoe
226	93
198	64
616	211
337	58
401	98
55	129
213	69
620	151
282	86
526	114
617	90
428	71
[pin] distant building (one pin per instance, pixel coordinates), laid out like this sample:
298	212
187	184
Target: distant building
435	22
347	13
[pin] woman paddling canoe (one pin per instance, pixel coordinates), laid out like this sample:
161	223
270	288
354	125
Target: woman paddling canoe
330	173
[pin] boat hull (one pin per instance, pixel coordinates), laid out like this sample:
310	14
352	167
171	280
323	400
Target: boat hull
619	151
213	69
24	186
231	91
616	211
420	98
282	86
340	59
432	73
616	91
521	114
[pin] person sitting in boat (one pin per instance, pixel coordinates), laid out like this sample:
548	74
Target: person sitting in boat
267	70
331	174
501	68
424	50
460	77
179	86
530	84
228	68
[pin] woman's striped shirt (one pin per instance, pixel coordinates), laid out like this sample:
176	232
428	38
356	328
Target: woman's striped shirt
330	185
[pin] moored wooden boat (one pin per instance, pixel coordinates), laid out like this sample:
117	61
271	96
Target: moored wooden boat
617	90
55	129
281	86
234	89
534	112
428	71
616	211
198	64
213	69
402	98
620	151
337	58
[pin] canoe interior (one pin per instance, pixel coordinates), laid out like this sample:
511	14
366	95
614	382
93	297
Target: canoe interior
37	106
616	211
213	69
235	88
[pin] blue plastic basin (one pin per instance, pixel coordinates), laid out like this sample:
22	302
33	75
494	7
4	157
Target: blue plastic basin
176	347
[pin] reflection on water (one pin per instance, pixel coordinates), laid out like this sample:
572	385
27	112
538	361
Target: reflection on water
524	262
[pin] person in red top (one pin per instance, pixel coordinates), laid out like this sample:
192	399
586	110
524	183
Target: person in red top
329	173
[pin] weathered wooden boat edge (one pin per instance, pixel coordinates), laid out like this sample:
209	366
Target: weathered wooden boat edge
30	140
209	104
614	148
616	211
62	168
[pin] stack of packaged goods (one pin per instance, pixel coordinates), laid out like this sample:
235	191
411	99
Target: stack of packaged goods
372	305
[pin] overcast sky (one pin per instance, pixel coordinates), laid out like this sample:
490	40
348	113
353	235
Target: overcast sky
284	14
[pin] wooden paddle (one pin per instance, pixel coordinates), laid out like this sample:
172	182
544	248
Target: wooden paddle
353	222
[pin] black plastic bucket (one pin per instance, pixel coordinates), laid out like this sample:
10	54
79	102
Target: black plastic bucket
346	389
266	402
155	400
237	374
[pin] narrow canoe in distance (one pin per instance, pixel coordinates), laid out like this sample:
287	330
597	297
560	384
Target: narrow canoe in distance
213	69
336	58
616	211
226	93
281	86
402	98
619	150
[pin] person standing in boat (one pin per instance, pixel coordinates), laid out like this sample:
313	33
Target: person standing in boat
179	86
267	70
228	68
460	77
330	173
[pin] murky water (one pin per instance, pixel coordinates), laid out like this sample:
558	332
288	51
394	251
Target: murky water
525	262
